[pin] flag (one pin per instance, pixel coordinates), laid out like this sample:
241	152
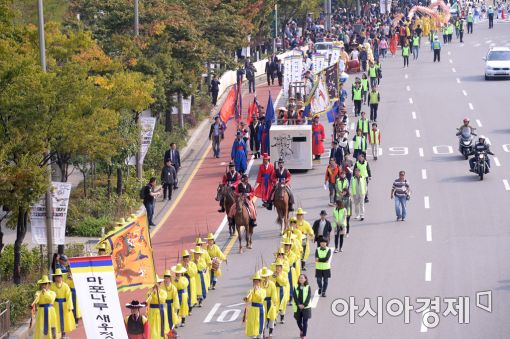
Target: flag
332	113
253	110
239	102
269	113
227	111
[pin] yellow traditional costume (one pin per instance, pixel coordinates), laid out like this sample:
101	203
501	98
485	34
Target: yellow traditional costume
200	278
307	230
281	282
208	261
172	302
45	317
68	279
181	284
191	272
255	310
217	257
158	321
271	300
63	305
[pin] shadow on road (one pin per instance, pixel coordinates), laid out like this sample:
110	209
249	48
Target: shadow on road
501	131
448	158
473	78
462	178
505	285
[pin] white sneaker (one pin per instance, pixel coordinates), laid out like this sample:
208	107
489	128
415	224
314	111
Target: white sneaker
357	217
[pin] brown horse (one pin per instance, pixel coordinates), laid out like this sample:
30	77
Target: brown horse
242	218
281	203
226	194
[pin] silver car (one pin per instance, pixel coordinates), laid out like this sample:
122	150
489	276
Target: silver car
497	63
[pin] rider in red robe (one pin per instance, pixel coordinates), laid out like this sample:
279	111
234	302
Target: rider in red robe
264	183
244	188
318	137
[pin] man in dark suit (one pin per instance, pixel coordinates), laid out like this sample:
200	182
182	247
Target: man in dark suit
271	69
322	228
279	72
337	153
174	157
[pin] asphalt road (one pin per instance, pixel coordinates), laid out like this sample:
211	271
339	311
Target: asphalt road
455	240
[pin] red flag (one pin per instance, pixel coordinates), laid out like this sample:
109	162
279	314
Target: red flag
227	111
253	111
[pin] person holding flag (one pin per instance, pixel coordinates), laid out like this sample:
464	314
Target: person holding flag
264	184
266	123
253	124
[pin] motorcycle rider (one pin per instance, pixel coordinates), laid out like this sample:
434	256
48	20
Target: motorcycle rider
465	125
481	146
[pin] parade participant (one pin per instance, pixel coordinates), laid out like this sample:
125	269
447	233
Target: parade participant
207	258
336	153
360	143
68	279
216	135
62	263
264	135
416	46
307	232
364	169
363	124
373	99
264	185
357	97
254	309
282	115
322	265
301	304
470	20
332	172
158	321
245	189
358	192
436	46
341	183
405	53
449	32
245	132
270	301
172	305
322	228
340	224
318	137
347	202
343	141
292	253
137	325
461	30
400	191
200	278
281	174
45	318
217	257
181	284
364	88
239	153
374	138
481	146
297	239
231	178
63	304
101	249
191	272
379	71
372	73
254	140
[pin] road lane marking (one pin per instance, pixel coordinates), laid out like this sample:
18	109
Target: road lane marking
424	317
414	115
424	174
449	53
426	202
453	70
507	185
235	305
464	92
420	150
406	76
429	232
496	161
417	133
451	61
428	271
479	123
471	106
408	88
411	101
477	45
315	299
487	140
458	80
211	313
488	41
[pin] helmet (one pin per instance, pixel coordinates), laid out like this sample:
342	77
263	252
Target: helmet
481	138
466	119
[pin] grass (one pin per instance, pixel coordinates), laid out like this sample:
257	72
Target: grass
54	10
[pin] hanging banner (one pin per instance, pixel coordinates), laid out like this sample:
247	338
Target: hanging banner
96	290
132	255
60	194
385	6
292	71
186	106
332	81
319	63
335	54
147	125
320	99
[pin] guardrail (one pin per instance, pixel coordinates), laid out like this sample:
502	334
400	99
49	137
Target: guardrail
5	319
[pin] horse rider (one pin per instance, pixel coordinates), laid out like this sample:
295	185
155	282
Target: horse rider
281	174
264	185
232	178
246	191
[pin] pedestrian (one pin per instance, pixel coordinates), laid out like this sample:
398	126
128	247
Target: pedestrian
364	88
347	202
372	74
250	71
137	325
359	143
216	135
279	72
383	47
168	179
45	316
416	46
364	170
254	309
357	97
307	232
158	322
449	32
358	191
269	69
373	99
332	172
336	153
375	140
301	306
62	263
239	153
363	124
322	265
149	193
340	224
461	30
490	14
401	192
436	46
318	137
322	228
63	304
254	140
271	300
470	20
174	156
215	89
363	58
240	75
405	53
172	304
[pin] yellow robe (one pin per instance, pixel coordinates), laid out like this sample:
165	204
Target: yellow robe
306	229
76	310
44	303
192	286
282	290
201	278
215	252
271	301
172	305
157	310
255	312
181	285
63	307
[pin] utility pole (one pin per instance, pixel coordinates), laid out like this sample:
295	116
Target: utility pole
137	23
275	27
48	195
327	11
358	8
139	165
180	115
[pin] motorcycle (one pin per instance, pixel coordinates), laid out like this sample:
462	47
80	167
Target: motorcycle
466	142
481	166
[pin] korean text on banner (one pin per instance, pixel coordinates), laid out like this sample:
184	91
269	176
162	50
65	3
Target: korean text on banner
146	131
96	289
60	195
320	99
132	255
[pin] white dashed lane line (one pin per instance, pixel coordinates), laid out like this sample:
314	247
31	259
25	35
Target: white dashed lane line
464	92
449	53
414	115
479	123
406	76
408	88
428	231
458	80
454	70
420	150
450	61
418	133
496	161
411	101
471	106
428	271
507	185
426	202
424	174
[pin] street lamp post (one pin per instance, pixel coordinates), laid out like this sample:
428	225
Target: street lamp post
137	23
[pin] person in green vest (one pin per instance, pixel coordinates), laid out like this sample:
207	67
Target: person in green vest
490	14
301	305
461	30
364	171
372	74
363	124
373	99
449	32
359	144
342	183
432	34
357	96
416	46
378	69
405	54
339	225
444	31
374	138
436	47
364	87
322	265
470	20
347	201
358	190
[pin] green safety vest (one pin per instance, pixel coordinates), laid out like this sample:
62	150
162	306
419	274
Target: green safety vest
363	125
357	93
360	143
354	186
405	51
364	84
372	72
470	18
373	97
306	292
340	217
363	172
450	29
341	184
374	136
416	41
322	254
436	45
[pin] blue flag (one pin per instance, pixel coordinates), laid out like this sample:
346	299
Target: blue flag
332	113
269	113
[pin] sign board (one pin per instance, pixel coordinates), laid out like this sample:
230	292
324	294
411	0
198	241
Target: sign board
293	71
60	194
319	63
147	125
186	106
293	143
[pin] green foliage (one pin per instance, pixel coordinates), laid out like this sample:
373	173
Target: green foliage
30	262
20	298
91	226
54	10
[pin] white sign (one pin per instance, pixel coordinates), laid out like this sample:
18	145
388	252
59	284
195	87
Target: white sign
292	71
293	143
147	125
60	195
96	290
186	106
319	63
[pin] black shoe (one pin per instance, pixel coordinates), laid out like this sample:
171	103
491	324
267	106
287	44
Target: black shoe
176	187
269	206
303	268
366	200
323	294
362	219
320	291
